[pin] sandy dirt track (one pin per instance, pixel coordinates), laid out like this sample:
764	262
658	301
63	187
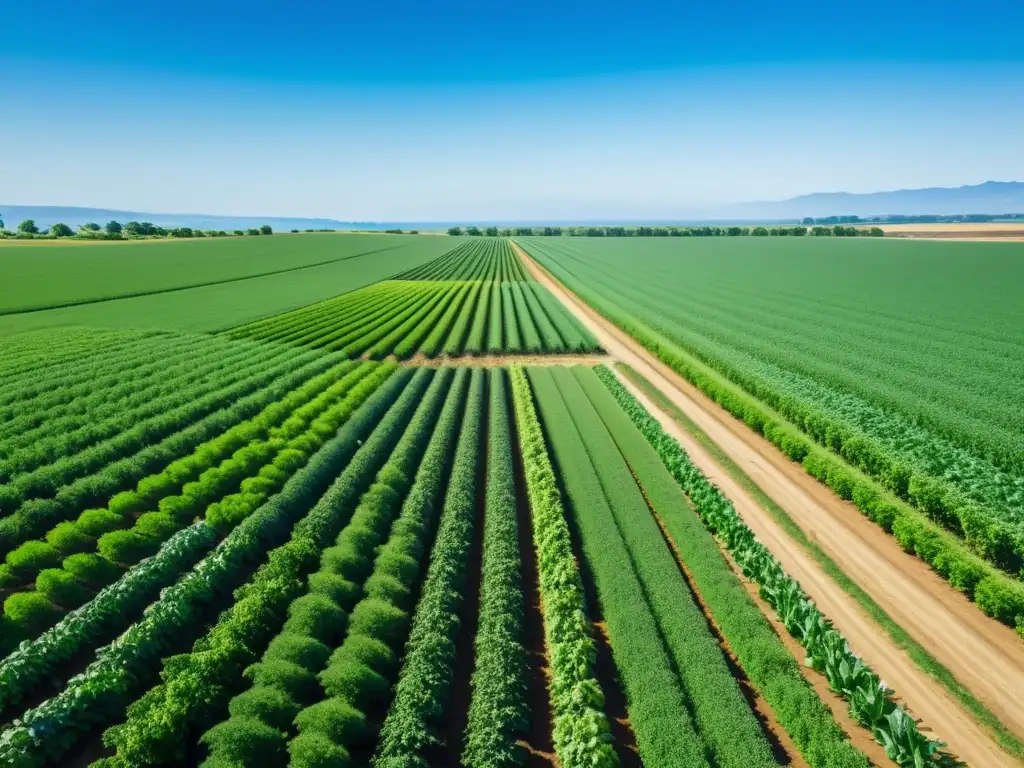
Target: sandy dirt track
985	656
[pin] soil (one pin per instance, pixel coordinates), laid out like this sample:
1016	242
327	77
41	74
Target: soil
984	656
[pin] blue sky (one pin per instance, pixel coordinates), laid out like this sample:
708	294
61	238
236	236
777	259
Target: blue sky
458	110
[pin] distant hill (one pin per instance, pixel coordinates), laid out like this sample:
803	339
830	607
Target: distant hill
992	197
47	215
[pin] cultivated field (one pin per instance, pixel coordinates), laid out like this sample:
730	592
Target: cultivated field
403	510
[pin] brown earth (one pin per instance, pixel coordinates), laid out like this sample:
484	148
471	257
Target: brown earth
985	656
987	231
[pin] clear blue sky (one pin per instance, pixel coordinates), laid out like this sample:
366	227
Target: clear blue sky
459	110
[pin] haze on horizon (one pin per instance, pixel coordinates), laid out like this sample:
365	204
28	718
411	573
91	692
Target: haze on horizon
401	111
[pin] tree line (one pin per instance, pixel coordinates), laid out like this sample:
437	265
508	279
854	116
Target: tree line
837	230
114	230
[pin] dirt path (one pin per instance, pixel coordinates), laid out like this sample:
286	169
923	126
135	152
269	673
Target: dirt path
985	656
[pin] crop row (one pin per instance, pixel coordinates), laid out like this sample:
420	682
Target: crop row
122	669
870	702
177	387
966	542
489	259
581	732
498	707
262	718
435	317
148	368
258	468
769	666
82	480
684	703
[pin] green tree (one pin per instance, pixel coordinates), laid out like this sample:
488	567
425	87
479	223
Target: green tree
877	232
113	228
28	226
759	232
61	230
474	231
266	230
252	231
92	226
454	231
132	229
1	223
506	232
492	231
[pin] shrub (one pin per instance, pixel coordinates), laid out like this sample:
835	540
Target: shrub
92	569
389	589
336	588
32	557
308	653
345	677
369	651
156	525
96	522
69	539
7	577
393	562
247	740
379	619
288	677
126	547
29	612
345	560
314	750
61	587
271	705
337	719
316	616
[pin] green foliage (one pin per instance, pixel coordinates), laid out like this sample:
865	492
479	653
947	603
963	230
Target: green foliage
870	702
895	433
360	670
427	672
581	732
498	710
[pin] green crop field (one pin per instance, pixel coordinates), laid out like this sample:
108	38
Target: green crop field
243	524
194	285
906	359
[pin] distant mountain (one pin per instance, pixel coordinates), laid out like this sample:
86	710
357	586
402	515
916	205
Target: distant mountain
992	197
47	215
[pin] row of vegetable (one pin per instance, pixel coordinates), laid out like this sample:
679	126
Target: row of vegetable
870	702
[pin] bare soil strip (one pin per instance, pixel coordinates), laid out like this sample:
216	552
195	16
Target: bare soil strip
985	656
420	360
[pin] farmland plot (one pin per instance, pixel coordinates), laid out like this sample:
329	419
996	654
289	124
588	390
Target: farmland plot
476	299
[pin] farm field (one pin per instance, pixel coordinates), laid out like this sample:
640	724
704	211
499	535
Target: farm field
330	536
194	286
475	299
904	359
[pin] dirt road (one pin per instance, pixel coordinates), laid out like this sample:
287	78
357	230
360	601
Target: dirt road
985	656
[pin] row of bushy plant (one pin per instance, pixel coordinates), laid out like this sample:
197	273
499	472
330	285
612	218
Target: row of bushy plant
357	678
663	724
26	473
130	386
118	546
106	615
424	684
125	667
196	686
85	479
498	707
284	682
870	702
